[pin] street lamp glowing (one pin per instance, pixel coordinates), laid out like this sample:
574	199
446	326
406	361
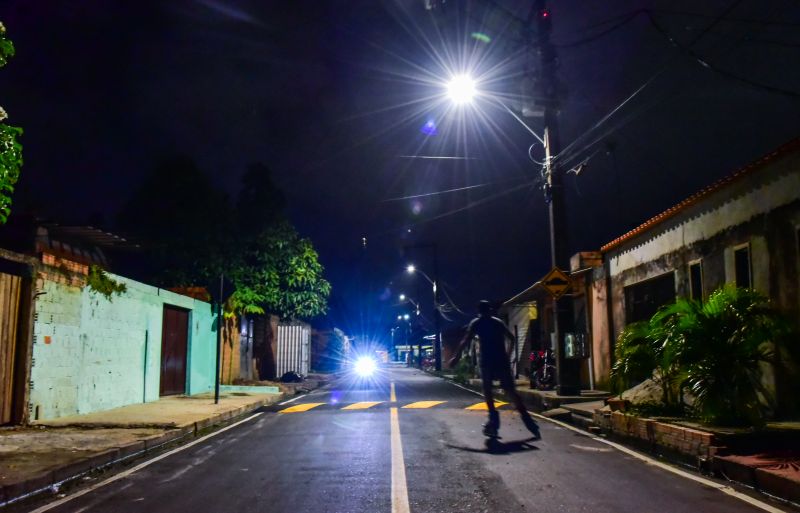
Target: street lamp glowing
461	89
406	317
402	297
411	269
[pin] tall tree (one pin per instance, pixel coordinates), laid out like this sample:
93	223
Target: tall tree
194	237
10	148
260	203
276	270
183	220
280	273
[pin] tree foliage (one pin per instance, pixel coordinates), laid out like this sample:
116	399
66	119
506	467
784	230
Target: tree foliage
183	220
195	237
716	350
99	281
280	273
10	148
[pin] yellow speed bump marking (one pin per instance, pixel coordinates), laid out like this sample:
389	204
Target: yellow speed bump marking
483	407
300	407
423	404
363	405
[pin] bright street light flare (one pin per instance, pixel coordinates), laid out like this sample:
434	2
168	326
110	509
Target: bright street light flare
461	89
410	268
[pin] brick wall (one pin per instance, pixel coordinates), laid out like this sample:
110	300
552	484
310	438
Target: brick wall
681	439
92	354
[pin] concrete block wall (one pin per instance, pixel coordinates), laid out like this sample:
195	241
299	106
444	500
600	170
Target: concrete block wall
92	354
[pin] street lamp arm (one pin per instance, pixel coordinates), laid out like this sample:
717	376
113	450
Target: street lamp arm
521	122
420	271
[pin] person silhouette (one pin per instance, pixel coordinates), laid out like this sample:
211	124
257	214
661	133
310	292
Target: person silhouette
495	364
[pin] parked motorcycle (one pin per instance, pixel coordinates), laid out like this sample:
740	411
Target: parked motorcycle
543	369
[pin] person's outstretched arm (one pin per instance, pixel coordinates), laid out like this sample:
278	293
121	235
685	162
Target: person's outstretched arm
462	344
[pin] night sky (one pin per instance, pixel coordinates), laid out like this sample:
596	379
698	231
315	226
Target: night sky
331	95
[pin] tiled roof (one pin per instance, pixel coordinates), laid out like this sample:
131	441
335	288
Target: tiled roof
789	147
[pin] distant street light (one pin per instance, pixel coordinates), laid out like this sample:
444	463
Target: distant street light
403	298
437	346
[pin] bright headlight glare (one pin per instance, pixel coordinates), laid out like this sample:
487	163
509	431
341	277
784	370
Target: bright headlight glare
365	366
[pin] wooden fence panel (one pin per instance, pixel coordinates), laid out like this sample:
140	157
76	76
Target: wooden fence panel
10	287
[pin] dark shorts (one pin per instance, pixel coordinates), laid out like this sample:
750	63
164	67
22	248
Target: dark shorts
497	371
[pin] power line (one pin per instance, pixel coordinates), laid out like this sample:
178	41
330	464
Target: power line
708	65
458	189
717	19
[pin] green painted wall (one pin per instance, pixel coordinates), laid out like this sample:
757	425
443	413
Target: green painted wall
92	354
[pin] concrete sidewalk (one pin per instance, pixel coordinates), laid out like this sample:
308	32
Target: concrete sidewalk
44	457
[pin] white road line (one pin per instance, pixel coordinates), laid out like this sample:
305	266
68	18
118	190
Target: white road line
123	475
682	473
293	399
650	461
392	396
399	488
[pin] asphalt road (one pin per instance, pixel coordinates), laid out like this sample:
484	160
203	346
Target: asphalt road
329	451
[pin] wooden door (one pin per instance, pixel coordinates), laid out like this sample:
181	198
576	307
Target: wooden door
9	315
174	345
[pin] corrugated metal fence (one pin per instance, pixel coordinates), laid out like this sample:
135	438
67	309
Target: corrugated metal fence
294	342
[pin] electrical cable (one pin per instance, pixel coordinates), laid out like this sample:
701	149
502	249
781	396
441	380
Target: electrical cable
473	204
436	193
595	37
450	300
706	64
717	19
530	155
565	152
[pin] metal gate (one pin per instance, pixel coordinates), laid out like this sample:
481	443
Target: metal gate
10	287
293	348
174	345
246	348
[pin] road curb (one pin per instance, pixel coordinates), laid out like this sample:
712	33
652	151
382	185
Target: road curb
52	480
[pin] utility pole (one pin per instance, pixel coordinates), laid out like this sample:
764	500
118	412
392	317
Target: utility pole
437	315
546	87
219	337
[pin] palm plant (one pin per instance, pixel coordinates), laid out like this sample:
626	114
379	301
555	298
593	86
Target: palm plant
723	349
717	350
645	351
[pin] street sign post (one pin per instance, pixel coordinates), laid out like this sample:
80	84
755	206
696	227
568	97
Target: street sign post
556	282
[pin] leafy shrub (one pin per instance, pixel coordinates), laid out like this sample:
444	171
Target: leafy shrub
717	350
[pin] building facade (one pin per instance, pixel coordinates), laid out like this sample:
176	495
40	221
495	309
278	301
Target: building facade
743	229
